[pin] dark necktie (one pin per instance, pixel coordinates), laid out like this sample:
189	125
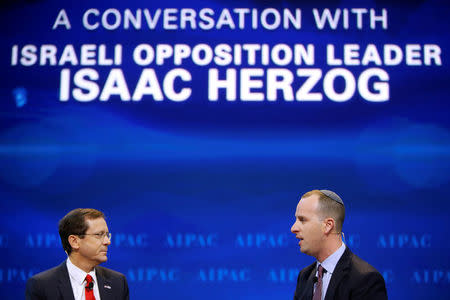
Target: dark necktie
318	291
89	288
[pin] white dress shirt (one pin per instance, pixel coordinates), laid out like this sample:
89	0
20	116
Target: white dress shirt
329	264
78	281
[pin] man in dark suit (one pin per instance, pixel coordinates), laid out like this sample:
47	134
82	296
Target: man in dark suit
85	238
337	273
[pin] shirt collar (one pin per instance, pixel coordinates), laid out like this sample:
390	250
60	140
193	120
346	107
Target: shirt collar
78	275
330	263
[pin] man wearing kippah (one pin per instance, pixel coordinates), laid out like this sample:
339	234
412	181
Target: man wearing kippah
337	273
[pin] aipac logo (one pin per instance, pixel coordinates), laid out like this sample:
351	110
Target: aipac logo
428	276
191	240
224	274
404	240
283	275
43	240
261	240
153	274
13	274
127	240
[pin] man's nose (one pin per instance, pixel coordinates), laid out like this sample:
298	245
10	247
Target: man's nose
294	228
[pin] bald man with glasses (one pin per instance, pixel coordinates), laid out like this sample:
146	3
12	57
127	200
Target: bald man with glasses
85	238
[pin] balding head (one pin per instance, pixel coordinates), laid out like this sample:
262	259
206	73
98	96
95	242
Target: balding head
329	207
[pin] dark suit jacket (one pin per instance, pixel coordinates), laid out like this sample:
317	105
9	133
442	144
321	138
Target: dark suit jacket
352	279
54	284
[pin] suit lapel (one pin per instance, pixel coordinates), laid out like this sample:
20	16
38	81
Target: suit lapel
104	285
310	282
341	270
306	283
64	286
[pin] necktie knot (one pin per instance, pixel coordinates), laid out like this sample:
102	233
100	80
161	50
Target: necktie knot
321	270
89	279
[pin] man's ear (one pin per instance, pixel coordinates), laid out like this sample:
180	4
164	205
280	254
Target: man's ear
328	225
74	242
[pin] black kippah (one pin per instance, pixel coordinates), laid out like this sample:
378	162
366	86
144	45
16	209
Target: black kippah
333	196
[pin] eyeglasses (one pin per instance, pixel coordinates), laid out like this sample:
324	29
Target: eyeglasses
99	236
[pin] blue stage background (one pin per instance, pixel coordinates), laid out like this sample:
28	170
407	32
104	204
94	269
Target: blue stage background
200	195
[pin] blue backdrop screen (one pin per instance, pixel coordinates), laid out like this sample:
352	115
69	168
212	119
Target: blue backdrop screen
195	127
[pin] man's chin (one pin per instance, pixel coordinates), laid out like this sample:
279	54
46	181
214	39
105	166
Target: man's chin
102	258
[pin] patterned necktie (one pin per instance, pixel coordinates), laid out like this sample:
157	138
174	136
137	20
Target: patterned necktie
318	291
89	288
